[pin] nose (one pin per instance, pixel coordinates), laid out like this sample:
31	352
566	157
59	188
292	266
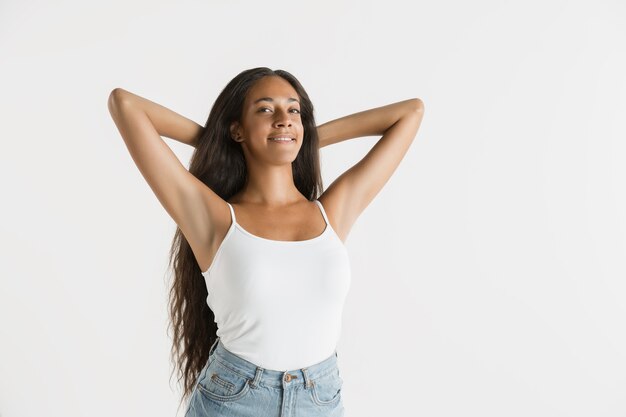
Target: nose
282	119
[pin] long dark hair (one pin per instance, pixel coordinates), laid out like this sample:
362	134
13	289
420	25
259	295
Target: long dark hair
219	162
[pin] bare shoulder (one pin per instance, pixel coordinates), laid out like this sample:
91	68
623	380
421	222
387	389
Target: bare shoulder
205	224
341	215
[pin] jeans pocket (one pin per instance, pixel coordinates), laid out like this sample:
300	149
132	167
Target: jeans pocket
222	383
327	389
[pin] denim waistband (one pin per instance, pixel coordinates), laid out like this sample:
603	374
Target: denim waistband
270	377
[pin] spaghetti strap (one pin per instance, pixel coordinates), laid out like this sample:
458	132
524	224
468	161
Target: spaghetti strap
323	211
251	276
232	213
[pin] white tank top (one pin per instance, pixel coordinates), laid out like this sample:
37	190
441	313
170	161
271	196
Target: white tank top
279	304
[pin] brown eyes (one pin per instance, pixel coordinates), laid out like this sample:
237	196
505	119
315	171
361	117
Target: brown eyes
263	108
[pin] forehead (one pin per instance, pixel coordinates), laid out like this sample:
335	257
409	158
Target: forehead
275	87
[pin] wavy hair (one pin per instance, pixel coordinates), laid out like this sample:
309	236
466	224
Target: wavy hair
219	162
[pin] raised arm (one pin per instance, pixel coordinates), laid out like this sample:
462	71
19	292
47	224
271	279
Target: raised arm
352	191
165	121
194	207
370	122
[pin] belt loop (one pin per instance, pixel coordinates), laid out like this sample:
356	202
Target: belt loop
257	377
307	382
214	346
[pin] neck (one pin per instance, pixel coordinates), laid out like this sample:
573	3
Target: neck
272	186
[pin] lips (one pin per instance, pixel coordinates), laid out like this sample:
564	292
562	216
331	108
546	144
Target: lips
283	135
282	141
285	141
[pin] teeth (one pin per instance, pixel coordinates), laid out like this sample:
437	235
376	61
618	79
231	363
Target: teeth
280	139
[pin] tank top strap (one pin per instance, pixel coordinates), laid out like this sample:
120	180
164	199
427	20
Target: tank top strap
232	212
322	210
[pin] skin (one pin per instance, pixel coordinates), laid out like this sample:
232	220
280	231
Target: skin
269	205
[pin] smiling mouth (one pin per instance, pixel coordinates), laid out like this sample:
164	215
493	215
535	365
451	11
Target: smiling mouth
282	140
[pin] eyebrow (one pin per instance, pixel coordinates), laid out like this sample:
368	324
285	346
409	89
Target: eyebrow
290	99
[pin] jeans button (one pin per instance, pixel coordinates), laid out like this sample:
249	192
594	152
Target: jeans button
289	377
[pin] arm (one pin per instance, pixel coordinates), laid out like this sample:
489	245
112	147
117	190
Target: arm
166	122
370	122
352	191
192	205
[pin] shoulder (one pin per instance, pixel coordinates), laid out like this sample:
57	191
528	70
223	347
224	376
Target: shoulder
338	216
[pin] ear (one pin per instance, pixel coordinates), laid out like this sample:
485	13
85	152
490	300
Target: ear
234	130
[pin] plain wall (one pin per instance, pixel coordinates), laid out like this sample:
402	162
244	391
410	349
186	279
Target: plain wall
488	274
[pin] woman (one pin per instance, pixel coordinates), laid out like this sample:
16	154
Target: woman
257	336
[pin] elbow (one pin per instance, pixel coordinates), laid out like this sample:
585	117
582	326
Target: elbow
413	106
116	94
117	91
116	97
417	105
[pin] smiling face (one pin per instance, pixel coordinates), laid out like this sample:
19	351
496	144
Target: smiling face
271	110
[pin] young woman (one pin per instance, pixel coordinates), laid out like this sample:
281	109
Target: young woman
261	271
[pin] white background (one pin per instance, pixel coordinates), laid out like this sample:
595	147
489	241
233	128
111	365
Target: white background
488	274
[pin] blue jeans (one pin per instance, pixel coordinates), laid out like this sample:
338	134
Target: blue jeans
230	386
